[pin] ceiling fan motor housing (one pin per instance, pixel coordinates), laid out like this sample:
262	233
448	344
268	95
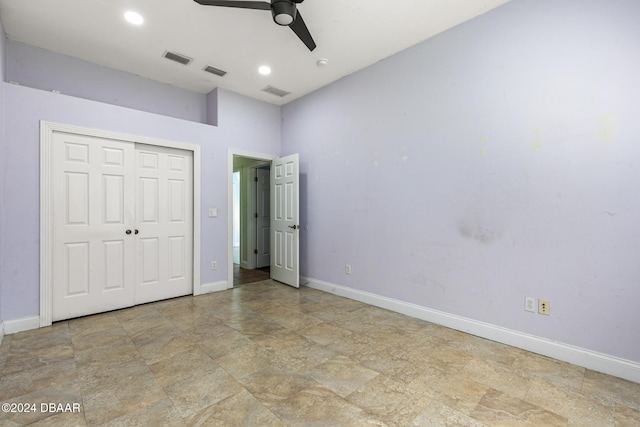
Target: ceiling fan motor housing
284	12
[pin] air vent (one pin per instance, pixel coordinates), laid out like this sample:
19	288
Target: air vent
184	60
214	70
275	91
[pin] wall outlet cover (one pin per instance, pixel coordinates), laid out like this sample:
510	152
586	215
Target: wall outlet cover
544	307
530	304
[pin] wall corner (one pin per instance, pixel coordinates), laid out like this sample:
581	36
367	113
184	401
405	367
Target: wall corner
212	107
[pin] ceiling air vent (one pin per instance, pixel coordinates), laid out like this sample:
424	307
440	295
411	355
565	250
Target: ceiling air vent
214	70
275	91
184	60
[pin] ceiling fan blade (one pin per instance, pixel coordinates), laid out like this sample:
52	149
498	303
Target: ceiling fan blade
300	28
262	5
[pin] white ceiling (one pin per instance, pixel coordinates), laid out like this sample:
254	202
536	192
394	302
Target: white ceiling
351	34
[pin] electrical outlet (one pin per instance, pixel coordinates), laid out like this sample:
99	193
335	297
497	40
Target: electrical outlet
214	265
347	269
543	307
530	304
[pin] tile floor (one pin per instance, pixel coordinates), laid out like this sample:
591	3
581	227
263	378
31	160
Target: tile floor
265	354
242	276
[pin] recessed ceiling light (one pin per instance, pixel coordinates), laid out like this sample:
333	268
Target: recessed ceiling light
264	70
133	17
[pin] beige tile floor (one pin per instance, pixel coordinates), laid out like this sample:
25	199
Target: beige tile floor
242	276
265	354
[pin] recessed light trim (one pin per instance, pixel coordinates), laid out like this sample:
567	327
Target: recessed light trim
264	70
133	17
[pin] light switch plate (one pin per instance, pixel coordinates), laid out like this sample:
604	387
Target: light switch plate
213	212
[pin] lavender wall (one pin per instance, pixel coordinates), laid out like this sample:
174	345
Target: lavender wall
2	79
247	124
496	161
42	69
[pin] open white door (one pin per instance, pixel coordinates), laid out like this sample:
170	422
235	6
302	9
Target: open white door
284	220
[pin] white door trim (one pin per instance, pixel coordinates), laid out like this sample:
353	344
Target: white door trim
47	129
251	206
247	187
241	153
260	220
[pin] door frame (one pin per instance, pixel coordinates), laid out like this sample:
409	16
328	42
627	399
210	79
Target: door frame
231	152
254	201
47	129
251	189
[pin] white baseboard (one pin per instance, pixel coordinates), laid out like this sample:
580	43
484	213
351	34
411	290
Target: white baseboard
207	288
19	325
578	356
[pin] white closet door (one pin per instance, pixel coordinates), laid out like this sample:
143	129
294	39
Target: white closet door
164	223
93	203
122	224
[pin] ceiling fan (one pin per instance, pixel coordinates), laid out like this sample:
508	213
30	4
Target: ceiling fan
284	13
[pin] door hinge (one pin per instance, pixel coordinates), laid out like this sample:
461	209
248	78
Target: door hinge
255	178
255	215
255	251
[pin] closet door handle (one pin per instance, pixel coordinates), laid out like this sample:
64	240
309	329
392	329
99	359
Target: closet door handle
128	231
136	232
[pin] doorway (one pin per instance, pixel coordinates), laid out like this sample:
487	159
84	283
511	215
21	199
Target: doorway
284	213
250	242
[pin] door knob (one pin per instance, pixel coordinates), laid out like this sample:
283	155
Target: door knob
295	227
136	232
128	231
